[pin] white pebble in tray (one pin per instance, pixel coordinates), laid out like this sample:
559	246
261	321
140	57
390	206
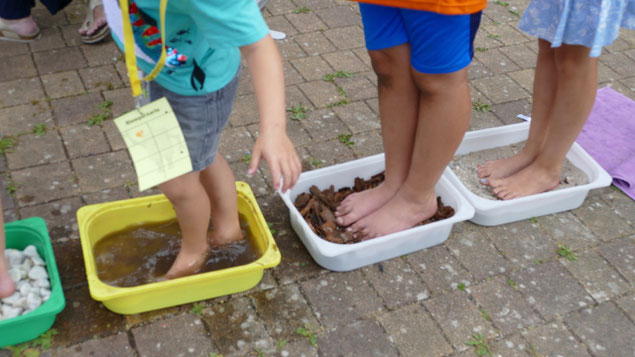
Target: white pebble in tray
28	271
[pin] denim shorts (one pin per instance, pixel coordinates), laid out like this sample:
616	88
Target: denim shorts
438	43
201	117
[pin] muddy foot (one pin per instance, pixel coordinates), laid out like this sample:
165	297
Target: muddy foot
187	264
503	168
217	238
360	204
528	181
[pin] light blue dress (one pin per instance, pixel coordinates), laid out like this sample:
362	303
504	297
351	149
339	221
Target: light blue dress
591	23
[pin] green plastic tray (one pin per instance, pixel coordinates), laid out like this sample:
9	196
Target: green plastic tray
29	326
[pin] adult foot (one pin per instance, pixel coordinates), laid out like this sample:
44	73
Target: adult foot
360	204
528	181
95	27
188	263
402	211
21	30
7	286
497	169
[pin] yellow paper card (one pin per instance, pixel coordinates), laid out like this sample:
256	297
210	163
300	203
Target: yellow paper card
155	142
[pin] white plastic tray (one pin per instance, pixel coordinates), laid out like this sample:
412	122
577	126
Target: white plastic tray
495	212
345	257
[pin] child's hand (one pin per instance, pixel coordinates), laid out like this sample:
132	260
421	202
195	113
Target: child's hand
280	154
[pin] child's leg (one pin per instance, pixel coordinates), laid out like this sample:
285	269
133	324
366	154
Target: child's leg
444	114
398	97
7	286
575	94
192	206
219	183
544	92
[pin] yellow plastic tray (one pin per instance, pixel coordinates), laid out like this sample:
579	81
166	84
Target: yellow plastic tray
99	220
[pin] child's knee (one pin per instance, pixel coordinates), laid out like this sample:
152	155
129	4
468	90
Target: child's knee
572	62
441	84
181	190
389	64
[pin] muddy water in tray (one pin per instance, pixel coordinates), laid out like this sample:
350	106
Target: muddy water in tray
142	254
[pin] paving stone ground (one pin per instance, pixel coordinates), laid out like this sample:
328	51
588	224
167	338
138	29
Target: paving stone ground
503	288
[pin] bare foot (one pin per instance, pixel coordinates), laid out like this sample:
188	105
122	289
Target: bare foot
528	181
23	27
360	204
99	20
219	238
7	286
188	262
504	167
402	211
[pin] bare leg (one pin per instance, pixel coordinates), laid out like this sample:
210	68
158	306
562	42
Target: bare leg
444	114
192	207
398	102
7	286
575	94
543	95
219	183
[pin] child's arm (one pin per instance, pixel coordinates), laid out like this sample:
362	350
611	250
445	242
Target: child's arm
265	67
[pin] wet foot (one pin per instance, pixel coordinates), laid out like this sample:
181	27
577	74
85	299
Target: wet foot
402	211
218	238
99	20
23	27
528	181
7	286
188	263
360	204
497	169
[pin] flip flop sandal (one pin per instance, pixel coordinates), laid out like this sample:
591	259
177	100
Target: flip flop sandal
10	35
101	32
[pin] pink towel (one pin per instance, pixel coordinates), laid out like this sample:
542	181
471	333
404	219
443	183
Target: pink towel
609	137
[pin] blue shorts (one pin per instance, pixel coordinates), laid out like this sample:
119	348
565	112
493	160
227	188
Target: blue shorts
438	43
201	117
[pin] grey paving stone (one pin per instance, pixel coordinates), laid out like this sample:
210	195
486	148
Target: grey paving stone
62	84
357	87
278	7
296	98
59	60
500	88
525	78
102	53
7	199
601	219
606	74
122	101
100	78
103	171
508	34
507	111
362	338
358	117
306	22
258	181
621	254
367	144
289	49
477	70
17	67
504	305
236	328
522	242
296	132
22	118
551	290
459	318
565	229
396	282
346	37
182	335
245	111
51	39
20	91
627	304
320	93
345	61
495	61
553	339
373	104
280	23
521	54
414	333
323	124
596	276
339	16
439	269
312	67
620	63
10	49
509	347
314	4
59	216
622	205
284	310
605	330
295	348
236	143
113	135
471	247
331	152
340	298
291	75
314	43
112	346
34	150
81	140
44	183
77	109
70	34
107	195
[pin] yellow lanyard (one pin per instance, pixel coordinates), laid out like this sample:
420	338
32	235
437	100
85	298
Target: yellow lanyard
131	58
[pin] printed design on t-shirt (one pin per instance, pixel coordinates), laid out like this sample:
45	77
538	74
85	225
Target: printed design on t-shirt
148	37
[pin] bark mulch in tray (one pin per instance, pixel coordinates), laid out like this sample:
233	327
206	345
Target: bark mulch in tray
318	207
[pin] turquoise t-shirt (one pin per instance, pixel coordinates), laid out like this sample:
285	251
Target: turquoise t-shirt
202	38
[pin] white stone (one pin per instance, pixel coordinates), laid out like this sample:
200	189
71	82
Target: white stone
14	257
15	274
33	301
30	251
12	299
43	283
45	293
37	273
26	265
25	289
10	312
38	261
